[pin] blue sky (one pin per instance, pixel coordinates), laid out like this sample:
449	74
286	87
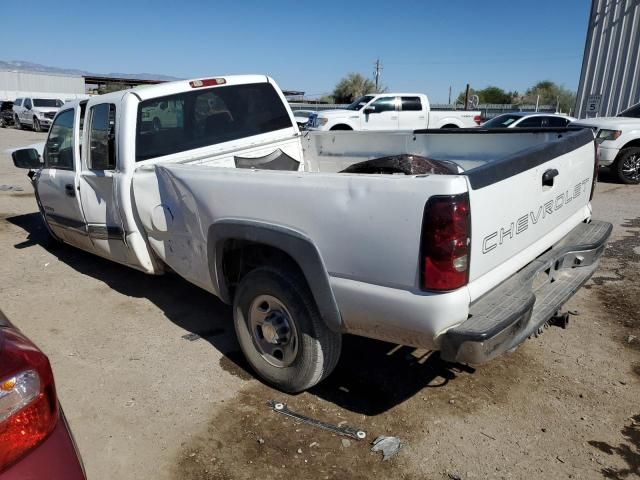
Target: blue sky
424	46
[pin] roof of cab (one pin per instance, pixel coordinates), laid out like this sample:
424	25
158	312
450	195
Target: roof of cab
145	92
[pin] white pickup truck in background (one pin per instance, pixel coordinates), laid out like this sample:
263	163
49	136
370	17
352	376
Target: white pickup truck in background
392	111
463	241
619	142
36	113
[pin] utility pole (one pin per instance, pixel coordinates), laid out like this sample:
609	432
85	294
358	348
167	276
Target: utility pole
377	72
449	94
466	98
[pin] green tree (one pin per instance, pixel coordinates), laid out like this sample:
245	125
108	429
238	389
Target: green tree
490	94
493	94
353	86
550	93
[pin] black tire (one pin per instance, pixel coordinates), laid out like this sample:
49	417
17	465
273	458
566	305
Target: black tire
318	348
451	125
341	127
17	123
157	124
36	125
627	166
3	122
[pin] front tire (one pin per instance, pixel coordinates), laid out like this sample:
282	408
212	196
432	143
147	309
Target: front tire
627	166
17	122
280	330
36	125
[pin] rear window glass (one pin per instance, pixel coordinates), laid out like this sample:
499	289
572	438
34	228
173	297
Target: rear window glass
501	121
199	118
47	102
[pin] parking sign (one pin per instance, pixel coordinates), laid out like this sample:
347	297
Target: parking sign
593	103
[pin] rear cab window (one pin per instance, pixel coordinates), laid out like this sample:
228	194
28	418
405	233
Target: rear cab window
411	104
204	117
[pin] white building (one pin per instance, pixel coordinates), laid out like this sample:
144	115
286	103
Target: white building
14	84
610	78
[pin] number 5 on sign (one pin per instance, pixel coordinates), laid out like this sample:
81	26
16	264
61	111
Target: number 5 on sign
593	103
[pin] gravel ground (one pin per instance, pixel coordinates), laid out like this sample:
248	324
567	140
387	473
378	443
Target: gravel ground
149	374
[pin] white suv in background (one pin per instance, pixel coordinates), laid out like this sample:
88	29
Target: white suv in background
37	112
619	142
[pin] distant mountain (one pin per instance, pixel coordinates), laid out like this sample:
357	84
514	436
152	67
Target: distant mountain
23	66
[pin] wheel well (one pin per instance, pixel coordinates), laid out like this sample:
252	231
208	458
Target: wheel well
450	125
239	257
341	126
632	143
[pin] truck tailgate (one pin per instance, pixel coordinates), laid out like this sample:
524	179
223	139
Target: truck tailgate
524	203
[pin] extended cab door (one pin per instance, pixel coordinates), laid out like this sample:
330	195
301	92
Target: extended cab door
99	172
57	183
381	114
413	114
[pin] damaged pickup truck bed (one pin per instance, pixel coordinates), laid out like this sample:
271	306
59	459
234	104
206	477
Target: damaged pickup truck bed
463	241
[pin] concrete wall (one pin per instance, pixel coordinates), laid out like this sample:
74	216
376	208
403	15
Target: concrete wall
610	78
21	84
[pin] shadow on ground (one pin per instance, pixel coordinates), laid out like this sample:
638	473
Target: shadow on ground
629	453
371	378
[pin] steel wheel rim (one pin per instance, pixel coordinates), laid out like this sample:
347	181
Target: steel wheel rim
273	331
631	167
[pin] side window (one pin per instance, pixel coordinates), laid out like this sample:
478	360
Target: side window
102	134
411	104
18	102
27	103
384	104
557	122
58	151
531	122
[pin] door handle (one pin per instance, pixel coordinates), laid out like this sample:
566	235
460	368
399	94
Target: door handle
70	190
548	176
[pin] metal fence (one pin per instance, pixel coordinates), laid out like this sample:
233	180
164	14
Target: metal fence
487	110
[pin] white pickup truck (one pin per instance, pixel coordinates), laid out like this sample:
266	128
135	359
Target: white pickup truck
392	111
462	241
619	141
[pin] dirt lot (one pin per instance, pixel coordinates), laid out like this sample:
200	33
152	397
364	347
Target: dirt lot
148	399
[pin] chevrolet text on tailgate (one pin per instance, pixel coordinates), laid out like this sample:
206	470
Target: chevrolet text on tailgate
464	241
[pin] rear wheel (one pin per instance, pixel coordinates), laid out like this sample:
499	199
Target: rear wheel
451	125
157	124
627	166
36	125
280	330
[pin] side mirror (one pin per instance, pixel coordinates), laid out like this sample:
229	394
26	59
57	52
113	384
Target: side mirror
369	110
26	158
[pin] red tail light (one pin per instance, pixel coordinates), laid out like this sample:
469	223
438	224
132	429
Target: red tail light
596	168
28	404
446	237
207	82
477	119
